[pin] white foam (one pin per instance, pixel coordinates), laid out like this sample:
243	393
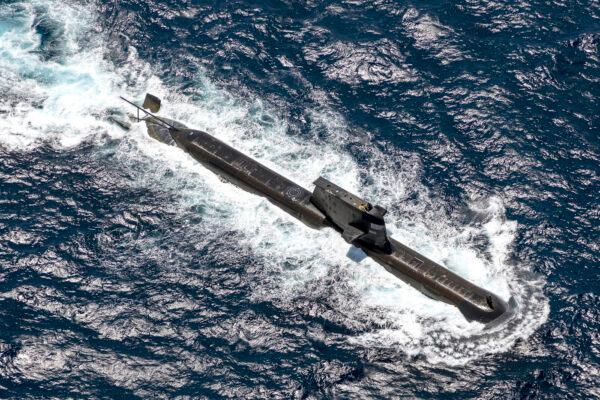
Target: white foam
70	107
58	99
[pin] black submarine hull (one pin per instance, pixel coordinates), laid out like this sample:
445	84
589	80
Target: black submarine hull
427	276
250	175
439	283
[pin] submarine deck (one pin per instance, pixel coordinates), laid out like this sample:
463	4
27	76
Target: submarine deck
249	174
425	275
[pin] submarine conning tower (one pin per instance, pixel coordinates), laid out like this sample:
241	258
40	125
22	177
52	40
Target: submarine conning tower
355	218
362	225
359	222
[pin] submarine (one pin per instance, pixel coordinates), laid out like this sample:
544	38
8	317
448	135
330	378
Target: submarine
359	222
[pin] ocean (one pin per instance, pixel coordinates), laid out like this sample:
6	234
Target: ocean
128	270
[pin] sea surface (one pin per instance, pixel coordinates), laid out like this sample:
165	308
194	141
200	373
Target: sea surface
127	270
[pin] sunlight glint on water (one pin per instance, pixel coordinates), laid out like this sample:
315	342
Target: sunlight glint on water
64	101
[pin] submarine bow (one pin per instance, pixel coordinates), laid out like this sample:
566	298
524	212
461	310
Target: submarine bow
359	222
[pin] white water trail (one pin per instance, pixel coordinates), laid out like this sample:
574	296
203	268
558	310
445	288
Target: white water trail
63	101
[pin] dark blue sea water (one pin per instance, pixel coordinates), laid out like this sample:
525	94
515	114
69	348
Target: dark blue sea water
129	271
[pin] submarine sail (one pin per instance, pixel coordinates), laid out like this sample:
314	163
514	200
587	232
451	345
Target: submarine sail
358	221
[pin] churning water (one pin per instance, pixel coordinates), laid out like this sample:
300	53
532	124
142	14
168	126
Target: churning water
127	269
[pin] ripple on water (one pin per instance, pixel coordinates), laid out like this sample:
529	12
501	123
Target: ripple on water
127	269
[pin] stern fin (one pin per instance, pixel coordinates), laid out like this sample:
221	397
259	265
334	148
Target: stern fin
151	103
